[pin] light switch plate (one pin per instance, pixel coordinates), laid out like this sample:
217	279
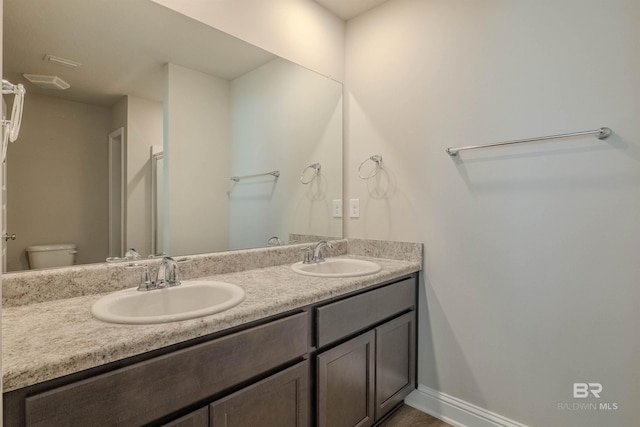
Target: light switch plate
354	208
337	208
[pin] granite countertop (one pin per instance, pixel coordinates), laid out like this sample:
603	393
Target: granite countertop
47	340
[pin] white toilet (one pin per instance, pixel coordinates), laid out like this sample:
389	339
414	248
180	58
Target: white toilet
54	255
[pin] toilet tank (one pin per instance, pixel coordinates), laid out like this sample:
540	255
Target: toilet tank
54	255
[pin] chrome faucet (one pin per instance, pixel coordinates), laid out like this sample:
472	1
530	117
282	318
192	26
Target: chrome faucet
317	255
166	277
308	256
130	255
146	284
167	273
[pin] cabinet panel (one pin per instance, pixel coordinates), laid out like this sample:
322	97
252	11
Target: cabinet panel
199	418
281	400
149	390
395	362
345	384
342	318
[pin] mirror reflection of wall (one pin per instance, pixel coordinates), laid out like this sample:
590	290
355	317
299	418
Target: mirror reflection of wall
197	147
57	179
279	116
215	105
295	119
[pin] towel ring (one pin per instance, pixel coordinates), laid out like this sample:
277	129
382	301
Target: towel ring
316	167
275	241
377	159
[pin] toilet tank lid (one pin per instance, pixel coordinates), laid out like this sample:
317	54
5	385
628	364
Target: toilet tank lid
52	247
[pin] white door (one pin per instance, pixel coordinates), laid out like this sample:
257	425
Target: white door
10	131
4	216
3	184
117	193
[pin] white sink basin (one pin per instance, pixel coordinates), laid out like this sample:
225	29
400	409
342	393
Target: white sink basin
189	300
337	267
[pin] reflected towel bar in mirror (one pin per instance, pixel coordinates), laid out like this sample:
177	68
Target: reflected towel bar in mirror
272	173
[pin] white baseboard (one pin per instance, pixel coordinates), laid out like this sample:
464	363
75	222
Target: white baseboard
454	411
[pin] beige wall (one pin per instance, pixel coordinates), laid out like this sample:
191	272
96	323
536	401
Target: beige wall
57	179
301	31
197	152
531	251
119	115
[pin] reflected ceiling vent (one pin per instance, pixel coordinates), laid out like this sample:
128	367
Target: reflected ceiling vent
47	82
61	61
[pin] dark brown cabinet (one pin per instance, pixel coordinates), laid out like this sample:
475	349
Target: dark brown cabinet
344	362
144	392
361	380
281	400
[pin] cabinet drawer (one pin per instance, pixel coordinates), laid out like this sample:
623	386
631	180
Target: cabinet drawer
281	400
149	390
342	318
199	418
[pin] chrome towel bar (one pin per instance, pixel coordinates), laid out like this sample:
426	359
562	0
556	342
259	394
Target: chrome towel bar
272	173
602	133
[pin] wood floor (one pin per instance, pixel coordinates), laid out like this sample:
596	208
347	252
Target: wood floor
410	417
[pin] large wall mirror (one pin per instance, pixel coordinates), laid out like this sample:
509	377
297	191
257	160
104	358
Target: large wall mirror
160	114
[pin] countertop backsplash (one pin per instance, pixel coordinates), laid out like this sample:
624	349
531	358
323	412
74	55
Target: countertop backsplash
37	286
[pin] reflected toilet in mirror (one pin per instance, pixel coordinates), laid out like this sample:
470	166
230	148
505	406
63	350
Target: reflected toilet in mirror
54	255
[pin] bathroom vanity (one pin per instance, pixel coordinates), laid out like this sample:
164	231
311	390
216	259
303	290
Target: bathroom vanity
337	352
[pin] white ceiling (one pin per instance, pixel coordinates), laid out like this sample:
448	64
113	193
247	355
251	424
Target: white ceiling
121	44
347	9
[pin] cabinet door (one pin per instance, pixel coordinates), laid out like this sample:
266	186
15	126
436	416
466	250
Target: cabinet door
345	384
199	418
282	400
395	362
